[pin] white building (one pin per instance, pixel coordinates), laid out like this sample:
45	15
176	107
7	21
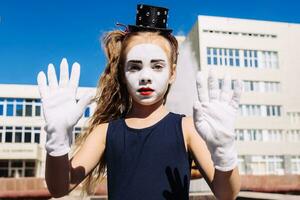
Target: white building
22	137
265	55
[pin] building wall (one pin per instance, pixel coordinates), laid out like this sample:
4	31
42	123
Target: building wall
267	142
22	136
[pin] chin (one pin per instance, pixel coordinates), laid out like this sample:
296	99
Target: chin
148	101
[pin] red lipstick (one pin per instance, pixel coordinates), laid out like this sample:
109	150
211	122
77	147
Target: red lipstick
145	91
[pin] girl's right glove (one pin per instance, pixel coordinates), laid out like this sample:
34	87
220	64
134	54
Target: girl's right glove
60	109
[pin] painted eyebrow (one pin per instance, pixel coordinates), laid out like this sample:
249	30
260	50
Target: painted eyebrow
158	60
134	61
152	61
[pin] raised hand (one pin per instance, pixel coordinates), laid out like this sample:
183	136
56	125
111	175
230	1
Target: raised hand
61	111
214	116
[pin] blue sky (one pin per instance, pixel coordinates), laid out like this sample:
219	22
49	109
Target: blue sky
35	33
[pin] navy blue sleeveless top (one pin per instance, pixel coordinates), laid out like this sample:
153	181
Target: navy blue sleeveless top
149	163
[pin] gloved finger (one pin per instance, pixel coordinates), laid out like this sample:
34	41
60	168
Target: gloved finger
197	111
42	84
213	86
64	73
84	101
238	86
75	74
201	87
226	88
52	77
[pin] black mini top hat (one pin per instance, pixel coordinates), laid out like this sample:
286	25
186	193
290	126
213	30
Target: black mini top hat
150	18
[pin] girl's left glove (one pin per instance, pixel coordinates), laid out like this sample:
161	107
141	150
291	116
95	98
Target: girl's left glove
214	116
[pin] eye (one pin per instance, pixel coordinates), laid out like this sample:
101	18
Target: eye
158	67
134	68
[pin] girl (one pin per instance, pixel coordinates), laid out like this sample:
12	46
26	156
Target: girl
146	149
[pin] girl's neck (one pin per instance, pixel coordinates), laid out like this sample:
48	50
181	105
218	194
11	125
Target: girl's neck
151	111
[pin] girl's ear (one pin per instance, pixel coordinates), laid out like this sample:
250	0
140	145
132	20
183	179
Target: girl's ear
173	74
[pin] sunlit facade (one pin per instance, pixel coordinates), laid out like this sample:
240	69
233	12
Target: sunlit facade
22	137
265	55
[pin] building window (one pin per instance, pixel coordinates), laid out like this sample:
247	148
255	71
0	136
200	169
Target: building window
18	137
215	60
20	107
20	134
249	134
37	110
28	110
76	133
208	56
295	164
273	135
9	109
273	110
293	135
223	57
250	110
37	131
1	106
1	134
260	110
262	165
242	165
249	58
8	135
271	86
29	169
294	117
27	137
269	59
220	57
87	112
17	168
266	135
37	105
3	168
19	110
261	86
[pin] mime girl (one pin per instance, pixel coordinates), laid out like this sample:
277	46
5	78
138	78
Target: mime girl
145	149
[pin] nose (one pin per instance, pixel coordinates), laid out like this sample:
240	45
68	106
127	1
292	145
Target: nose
145	77
145	80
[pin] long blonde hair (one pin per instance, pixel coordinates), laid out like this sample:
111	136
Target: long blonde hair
112	98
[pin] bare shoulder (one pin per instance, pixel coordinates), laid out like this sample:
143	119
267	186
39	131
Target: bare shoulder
189	130
187	125
91	149
100	132
198	148
187	122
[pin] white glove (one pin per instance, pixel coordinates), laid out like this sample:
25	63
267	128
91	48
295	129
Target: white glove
214	116
61	112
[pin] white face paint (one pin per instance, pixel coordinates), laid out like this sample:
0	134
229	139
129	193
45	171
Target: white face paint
147	66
